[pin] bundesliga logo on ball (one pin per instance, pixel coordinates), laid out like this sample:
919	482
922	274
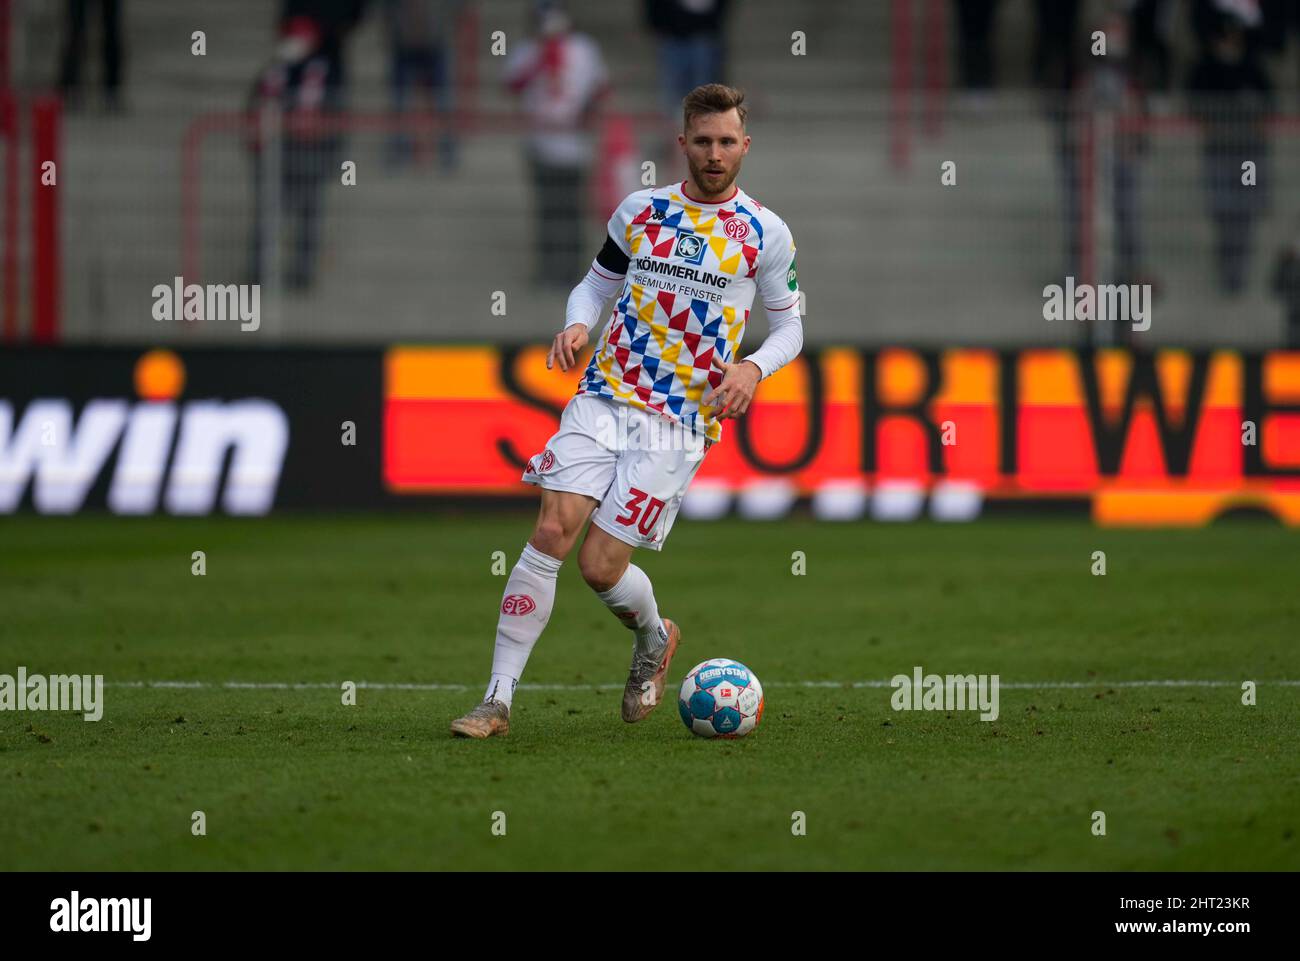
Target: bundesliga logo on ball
720	698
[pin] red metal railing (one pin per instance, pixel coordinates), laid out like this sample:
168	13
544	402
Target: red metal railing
6	33
900	110
462	122
9	237
466	88
935	75
47	117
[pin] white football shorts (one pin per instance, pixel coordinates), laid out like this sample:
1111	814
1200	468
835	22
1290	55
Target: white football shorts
637	464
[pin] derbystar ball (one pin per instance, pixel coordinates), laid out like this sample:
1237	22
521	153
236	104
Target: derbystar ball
720	698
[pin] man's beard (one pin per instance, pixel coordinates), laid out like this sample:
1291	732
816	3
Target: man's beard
697	175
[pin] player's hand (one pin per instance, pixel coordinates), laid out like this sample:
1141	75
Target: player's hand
567	345
734	395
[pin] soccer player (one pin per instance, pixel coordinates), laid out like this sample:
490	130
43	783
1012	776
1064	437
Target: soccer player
685	261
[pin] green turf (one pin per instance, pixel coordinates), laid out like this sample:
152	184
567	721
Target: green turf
1188	777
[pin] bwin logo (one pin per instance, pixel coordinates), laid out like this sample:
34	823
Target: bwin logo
690	248
62	454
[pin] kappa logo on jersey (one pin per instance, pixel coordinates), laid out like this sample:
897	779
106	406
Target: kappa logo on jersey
690	248
518	605
736	229
657	214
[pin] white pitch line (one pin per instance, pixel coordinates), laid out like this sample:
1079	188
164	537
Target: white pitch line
384	686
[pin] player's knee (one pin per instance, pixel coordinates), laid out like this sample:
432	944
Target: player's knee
551	538
600	573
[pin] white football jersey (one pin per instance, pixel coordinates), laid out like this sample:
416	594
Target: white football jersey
692	275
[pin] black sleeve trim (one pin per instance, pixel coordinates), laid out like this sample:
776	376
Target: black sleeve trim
612	258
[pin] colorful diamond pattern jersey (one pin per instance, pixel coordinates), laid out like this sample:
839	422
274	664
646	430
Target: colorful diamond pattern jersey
692	274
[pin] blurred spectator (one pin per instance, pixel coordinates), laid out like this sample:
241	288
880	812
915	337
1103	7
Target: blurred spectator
1152	25
1056	50
74	51
1280	21
975	46
1286	285
1101	143
1231	97
296	102
689	36
561	77
420	37
1208	17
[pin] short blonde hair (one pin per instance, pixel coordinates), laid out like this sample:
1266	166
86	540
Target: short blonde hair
713	98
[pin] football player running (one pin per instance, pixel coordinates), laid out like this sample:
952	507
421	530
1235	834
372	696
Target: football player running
685	262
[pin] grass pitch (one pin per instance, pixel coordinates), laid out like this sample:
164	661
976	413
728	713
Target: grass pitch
289	778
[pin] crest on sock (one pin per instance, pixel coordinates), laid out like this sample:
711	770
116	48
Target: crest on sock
518	604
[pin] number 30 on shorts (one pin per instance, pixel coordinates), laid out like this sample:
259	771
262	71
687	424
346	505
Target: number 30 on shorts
648	517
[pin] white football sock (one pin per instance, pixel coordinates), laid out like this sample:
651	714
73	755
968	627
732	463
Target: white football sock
632	600
525	609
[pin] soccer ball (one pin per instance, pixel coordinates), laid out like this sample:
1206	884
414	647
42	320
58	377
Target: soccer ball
720	698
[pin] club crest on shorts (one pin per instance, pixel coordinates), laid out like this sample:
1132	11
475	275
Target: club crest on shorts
547	462
518	605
